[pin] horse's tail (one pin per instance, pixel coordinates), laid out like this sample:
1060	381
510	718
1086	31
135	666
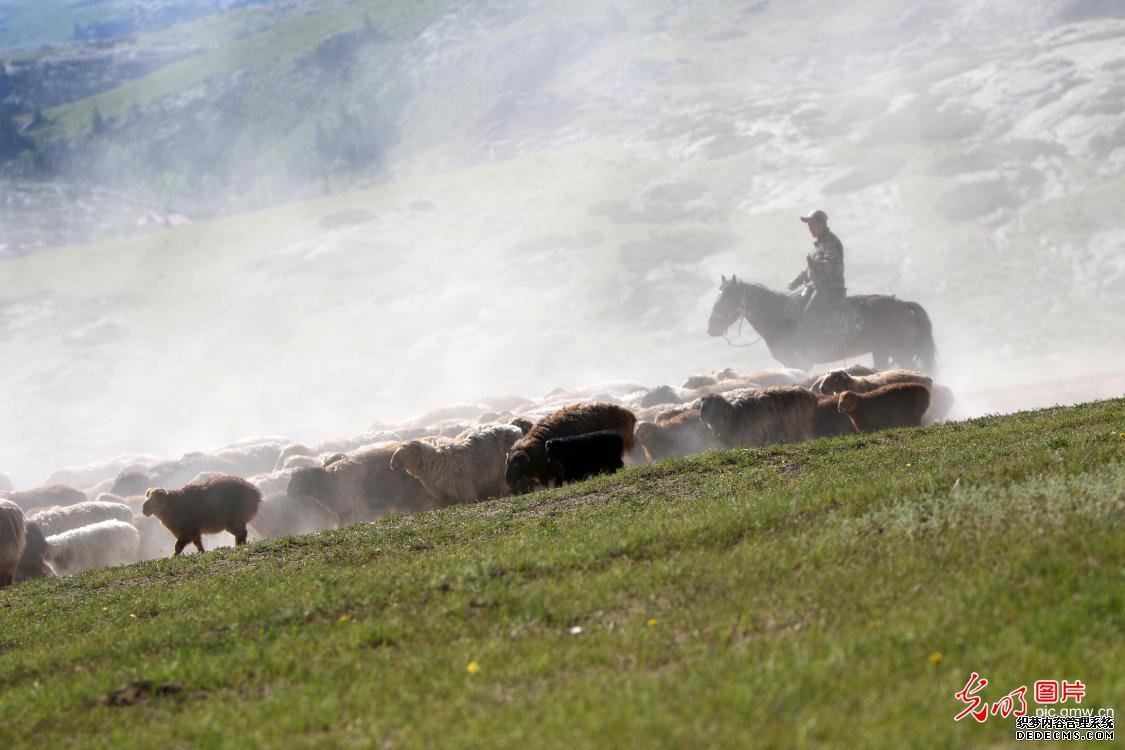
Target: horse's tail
925	351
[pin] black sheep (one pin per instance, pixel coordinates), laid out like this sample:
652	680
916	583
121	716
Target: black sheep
582	456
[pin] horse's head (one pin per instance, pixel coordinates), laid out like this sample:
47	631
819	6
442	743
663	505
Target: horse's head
727	307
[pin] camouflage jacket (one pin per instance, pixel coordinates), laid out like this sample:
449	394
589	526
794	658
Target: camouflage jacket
826	265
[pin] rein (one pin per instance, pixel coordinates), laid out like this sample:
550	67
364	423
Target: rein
741	313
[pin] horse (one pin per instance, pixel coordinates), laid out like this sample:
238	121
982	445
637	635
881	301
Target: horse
889	328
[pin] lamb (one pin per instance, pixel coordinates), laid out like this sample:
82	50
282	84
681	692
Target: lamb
468	468
678	434
696	380
782	414
894	405
57	520
839	381
46	496
13	539
660	395
33	561
279	515
97	545
579	457
523	423
527	460
362	486
223	504
813	382
829	421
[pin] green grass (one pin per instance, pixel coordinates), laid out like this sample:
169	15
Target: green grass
783	597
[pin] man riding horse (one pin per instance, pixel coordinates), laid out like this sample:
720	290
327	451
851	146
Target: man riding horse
820	323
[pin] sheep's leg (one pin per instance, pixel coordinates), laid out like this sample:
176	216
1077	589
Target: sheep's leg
7	579
180	544
240	536
198	542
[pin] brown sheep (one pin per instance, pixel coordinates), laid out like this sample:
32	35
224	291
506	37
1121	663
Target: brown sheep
829	421
362	486
895	405
782	414
220	504
523	423
468	468
33	561
679	434
813	381
527	460
46	496
839	381
13	539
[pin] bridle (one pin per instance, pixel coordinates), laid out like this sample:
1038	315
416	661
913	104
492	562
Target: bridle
740	313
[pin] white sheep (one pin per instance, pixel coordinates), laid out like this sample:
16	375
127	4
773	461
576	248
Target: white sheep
471	467
13	537
95	546
58	519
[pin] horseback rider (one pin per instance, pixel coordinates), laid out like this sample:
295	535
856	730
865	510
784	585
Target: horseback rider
825	273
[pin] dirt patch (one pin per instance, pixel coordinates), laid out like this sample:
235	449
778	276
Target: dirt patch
138	691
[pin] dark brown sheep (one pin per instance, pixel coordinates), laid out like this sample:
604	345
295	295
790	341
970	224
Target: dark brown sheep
678	434
13	538
829	421
895	405
783	414
33	561
527	463
219	504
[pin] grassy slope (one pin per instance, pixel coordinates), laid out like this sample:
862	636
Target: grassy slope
786	596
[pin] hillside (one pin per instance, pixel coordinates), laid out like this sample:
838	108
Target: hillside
831	593
452	200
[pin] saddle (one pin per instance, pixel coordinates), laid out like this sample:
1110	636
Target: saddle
816	313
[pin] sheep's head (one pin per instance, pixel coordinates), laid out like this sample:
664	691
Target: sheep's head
154	501
644	432
524	424
517	473
836	381
848	402
717	413
408	456
311	481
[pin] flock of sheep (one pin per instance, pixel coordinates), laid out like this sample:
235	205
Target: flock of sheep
134	508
